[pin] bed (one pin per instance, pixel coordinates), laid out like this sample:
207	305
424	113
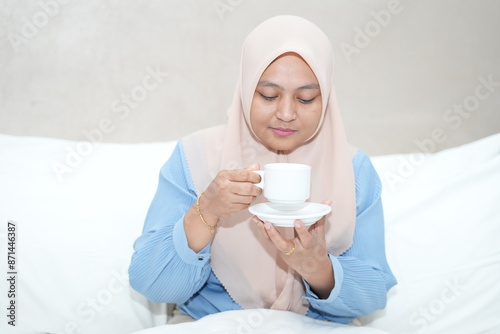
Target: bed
70	212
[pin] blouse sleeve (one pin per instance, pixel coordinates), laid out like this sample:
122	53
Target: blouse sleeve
163	268
362	274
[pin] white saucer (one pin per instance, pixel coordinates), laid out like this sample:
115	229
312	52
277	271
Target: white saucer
281	215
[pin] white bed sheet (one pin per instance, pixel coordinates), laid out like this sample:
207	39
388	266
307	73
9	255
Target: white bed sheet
259	321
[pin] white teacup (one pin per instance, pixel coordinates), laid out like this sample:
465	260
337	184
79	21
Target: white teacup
285	183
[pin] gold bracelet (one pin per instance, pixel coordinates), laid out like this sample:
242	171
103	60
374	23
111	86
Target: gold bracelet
210	227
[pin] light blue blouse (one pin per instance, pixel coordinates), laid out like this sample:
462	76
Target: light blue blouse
165	270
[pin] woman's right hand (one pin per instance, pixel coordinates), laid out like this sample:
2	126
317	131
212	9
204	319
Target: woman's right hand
230	192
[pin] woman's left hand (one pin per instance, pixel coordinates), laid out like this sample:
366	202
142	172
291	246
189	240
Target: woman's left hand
306	253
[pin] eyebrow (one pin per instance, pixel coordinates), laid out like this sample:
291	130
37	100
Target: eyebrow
266	83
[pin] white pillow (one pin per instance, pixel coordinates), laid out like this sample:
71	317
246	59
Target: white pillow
75	237
443	240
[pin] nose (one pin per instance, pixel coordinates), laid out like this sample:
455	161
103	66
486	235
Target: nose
286	110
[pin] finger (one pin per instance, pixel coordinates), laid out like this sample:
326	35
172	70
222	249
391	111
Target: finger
245	189
257	220
253	167
318	228
320	224
244	175
243	199
277	239
305	237
260	225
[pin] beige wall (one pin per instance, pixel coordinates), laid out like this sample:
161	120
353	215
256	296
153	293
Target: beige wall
157	70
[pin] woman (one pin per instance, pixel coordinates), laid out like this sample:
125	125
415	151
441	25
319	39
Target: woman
201	248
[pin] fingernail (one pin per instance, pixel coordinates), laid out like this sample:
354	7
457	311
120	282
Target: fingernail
297	224
267	225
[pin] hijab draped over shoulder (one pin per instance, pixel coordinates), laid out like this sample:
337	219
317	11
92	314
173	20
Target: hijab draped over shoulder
248	265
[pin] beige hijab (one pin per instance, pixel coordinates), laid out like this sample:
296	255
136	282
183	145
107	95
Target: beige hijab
248	266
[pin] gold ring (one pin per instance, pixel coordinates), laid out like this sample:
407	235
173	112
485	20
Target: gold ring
291	250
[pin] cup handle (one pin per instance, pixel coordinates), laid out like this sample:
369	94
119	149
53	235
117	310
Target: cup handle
261	183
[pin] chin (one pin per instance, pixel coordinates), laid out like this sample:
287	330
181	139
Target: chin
286	147
275	143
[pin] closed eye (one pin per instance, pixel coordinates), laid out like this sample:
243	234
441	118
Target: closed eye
269	98
306	101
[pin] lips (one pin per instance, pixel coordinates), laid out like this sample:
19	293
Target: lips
283	131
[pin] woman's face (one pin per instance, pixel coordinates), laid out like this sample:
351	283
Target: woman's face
286	106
